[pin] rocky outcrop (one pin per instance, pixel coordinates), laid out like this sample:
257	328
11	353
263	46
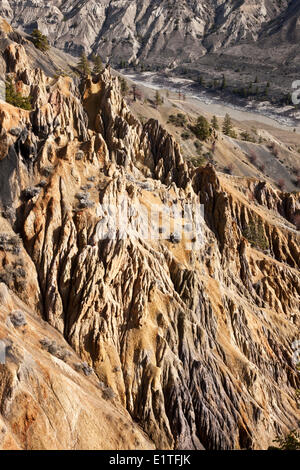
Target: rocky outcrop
191	341
47	401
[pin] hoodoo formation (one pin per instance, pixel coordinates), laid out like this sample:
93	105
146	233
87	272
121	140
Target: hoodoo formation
135	342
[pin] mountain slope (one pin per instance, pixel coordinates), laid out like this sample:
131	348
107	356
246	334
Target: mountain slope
194	342
153	32
246	41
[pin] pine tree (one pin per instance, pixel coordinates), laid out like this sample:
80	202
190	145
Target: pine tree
223	85
16	99
158	99
202	129
214	123
227	125
83	65
124	86
98	65
40	41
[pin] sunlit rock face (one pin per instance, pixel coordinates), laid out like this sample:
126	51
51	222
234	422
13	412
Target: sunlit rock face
158	344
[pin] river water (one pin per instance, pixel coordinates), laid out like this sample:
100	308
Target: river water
263	112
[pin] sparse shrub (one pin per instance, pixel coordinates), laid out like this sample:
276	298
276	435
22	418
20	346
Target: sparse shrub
186	135
79	155
19	271
84	368
86	187
45	343
15	98
202	129
40	41
247	137
108	393
18	318
178	120
9	277
84	201
9	214
199	160
289	442
198	145
55	349
256	236
10	243
209	155
13	274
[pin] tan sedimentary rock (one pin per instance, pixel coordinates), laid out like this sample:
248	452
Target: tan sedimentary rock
45	403
196	346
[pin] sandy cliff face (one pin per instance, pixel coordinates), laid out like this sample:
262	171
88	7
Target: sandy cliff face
47	400
193	345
